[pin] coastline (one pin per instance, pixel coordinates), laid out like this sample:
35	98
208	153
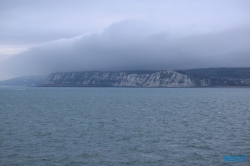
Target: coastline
141	86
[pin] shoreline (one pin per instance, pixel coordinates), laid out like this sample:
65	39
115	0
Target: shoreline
141	86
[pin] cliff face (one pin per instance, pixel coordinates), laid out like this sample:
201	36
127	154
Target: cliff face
222	76
124	79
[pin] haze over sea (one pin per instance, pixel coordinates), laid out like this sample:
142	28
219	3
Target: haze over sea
123	126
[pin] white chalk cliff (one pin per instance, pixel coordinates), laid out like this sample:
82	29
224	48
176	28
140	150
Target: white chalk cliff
166	78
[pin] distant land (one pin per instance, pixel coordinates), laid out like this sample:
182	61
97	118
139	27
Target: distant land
24	81
204	77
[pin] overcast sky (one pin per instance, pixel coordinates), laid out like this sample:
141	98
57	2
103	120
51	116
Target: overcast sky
42	37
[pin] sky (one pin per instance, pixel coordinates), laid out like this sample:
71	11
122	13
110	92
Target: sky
43	37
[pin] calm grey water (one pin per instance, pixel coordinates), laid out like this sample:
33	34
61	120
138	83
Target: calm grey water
123	126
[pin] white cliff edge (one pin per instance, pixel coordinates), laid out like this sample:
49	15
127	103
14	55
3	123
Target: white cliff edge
166	78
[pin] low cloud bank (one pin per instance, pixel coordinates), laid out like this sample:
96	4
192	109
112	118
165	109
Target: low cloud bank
133	45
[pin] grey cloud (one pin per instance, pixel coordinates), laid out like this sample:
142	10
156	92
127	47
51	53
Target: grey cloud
32	22
134	45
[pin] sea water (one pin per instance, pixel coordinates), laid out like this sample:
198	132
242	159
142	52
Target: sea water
124	126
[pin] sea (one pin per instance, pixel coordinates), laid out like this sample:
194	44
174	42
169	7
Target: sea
73	126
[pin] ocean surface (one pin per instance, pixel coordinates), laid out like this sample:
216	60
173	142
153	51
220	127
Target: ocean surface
124	126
